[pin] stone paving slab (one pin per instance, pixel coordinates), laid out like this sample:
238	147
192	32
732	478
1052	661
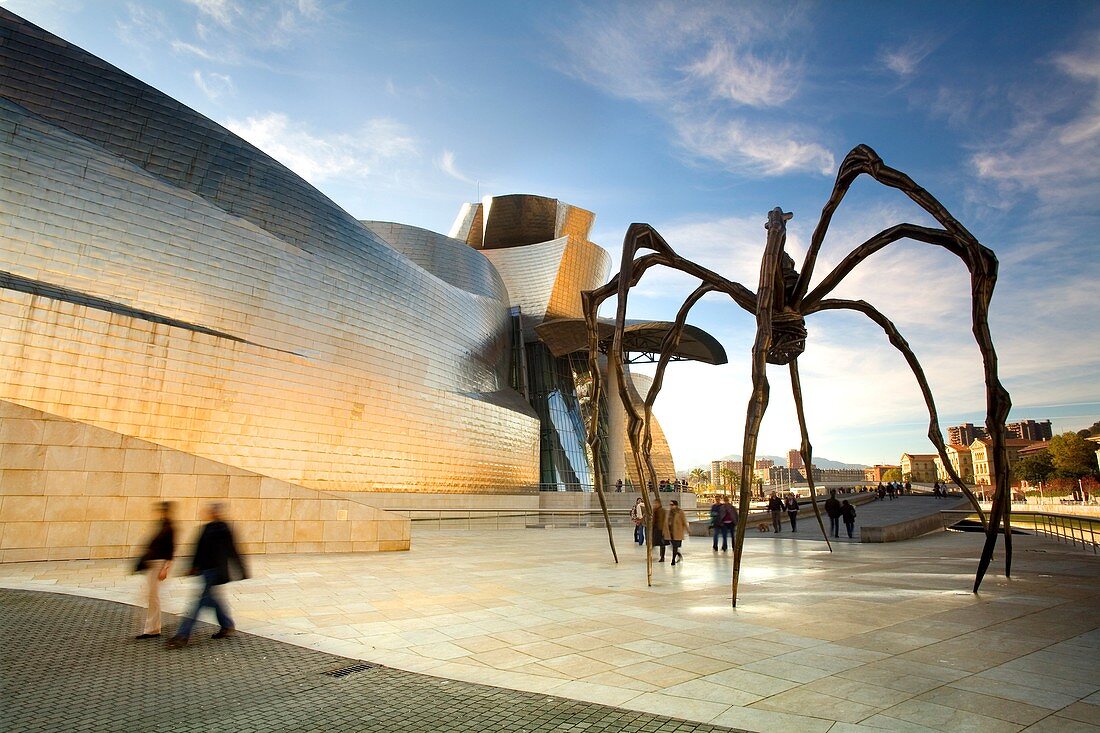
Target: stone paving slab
69	663
885	636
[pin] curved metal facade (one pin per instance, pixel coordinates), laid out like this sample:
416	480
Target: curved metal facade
164	279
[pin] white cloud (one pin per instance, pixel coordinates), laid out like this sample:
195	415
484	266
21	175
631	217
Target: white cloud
317	157
236	32
904	60
743	77
714	71
446	163
223	12
766	149
213	84
1052	149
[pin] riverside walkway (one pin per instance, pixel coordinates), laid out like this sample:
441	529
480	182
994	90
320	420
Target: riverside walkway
869	637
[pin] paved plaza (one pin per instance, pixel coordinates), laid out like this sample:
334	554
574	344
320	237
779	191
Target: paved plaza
869	637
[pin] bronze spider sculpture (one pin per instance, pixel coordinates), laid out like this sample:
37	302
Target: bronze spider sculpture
780	304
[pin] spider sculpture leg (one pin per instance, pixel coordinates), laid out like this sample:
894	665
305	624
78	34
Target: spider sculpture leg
982	264
806	449
766	295
896	339
640	236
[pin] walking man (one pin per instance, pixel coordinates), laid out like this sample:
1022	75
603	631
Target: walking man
775	506
727	523
213	553
832	509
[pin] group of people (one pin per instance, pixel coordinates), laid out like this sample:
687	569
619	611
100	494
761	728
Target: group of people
837	510
893	489
215	550
666	526
777	506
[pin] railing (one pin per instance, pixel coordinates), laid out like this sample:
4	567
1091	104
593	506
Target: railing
1070	529
510	518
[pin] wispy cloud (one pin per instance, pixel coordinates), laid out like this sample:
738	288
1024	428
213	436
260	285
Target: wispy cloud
904	60
1052	149
318	157
213	84
716	72
740	145
232	32
446	163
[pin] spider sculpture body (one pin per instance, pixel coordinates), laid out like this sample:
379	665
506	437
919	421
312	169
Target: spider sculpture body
780	304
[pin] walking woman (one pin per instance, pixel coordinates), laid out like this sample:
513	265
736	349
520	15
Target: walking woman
155	563
637	515
792	511
659	527
677	528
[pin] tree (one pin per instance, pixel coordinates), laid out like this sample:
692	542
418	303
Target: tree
891	474
1035	468
1073	456
698	476
1091	430
731	480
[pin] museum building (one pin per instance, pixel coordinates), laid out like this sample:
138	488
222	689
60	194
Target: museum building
184	318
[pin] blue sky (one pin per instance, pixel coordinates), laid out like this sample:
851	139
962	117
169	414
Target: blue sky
698	118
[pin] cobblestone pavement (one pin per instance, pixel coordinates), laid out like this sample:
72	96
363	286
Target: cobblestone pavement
68	664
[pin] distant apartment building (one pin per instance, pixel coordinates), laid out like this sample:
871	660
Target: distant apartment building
1029	430
961	460
965	434
834	475
764	463
920	468
877	472
980	451
716	477
794	460
1033	430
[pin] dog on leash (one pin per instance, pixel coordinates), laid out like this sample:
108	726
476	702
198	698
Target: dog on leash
763	527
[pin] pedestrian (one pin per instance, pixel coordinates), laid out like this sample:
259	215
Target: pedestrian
775	506
832	510
619	486
637	514
908	488
677	529
213	553
727	524
659	527
792	511
156	563
716	514
849	513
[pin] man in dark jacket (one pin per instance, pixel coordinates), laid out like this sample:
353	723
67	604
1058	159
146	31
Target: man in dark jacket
775	506
213	553
832	509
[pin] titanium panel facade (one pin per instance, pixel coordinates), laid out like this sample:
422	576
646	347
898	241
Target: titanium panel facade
164	280
341	364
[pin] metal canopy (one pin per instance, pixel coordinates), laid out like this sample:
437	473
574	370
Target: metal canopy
641	340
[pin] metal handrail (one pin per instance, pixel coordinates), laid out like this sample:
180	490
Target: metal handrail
1072	529
505	517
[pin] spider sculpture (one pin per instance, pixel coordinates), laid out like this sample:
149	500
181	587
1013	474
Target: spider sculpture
780	304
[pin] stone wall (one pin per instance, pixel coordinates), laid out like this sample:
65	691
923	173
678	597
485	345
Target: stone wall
69	490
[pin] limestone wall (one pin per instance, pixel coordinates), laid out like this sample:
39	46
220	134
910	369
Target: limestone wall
69	490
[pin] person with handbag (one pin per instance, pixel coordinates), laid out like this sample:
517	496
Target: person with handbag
214	552
659	527
792	511
155	563
637	515
677	529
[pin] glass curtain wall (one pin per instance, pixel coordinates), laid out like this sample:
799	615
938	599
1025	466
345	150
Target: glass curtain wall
560	389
